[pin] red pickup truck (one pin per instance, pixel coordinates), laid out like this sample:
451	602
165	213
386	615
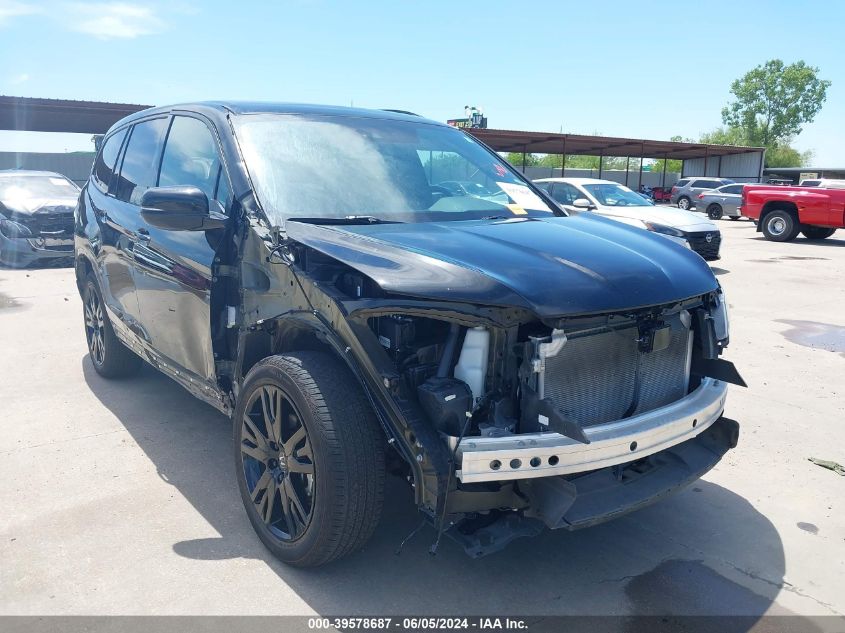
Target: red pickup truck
784	212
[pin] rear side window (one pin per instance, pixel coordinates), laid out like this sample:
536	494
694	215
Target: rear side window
731	189
682	183
104	165
140	161
705	184
191	158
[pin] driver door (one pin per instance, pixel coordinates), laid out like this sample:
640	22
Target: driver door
174	268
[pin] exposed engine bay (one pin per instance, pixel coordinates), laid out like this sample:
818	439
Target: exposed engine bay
500	412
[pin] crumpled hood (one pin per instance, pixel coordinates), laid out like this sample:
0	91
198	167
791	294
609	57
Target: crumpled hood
558	266
31	206
667	216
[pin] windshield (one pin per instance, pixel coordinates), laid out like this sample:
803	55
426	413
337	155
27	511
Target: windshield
22	187
610	195
404	171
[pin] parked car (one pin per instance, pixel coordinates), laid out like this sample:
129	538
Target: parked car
685	191
36	217
619	203
782	213
724	200
294	267
828	183
661	194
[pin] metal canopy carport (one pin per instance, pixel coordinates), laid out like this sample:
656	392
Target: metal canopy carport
602	146
61	115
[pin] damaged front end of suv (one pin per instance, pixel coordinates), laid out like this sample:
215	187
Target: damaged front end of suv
531	373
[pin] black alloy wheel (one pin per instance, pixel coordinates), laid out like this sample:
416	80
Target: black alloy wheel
94	328
714	212
110	357
309	457
277	462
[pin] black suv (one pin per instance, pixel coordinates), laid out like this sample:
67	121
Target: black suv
303	270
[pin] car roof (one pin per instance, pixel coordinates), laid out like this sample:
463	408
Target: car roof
30	172
580	181
221	109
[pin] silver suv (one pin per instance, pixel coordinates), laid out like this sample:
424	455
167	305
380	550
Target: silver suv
685	191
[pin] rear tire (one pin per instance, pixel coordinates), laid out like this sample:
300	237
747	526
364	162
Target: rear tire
309	458
817	232
780	226
714	212
684	203
110	357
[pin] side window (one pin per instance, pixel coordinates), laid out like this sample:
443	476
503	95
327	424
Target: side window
542	185
682	183
560	193
140	161
104	165
565	193
733	189
702	184
191	158
575	193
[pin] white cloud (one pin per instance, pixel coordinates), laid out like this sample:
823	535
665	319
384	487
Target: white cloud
11	9
114	20
19	79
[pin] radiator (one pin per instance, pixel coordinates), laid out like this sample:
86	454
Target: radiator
593	378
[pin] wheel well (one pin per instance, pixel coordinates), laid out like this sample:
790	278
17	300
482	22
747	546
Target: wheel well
286	336
770	207
83	269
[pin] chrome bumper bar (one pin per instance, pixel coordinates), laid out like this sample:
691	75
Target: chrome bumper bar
549	454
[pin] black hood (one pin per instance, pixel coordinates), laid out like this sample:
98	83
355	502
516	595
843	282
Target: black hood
559	266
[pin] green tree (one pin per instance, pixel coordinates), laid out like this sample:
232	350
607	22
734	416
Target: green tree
783	155
772	101
515	159
725	136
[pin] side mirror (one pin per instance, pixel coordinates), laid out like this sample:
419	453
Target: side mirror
583	203
183	208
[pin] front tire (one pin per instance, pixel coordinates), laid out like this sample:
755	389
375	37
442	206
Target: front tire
714	212
817	232
780	226
684	203
110	357
309	456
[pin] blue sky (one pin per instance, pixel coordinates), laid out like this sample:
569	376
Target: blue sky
639	69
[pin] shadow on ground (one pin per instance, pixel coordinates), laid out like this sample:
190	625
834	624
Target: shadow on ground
801	243
682	556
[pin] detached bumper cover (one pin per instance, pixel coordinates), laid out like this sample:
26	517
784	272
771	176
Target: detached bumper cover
533	455
611	492
577	502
